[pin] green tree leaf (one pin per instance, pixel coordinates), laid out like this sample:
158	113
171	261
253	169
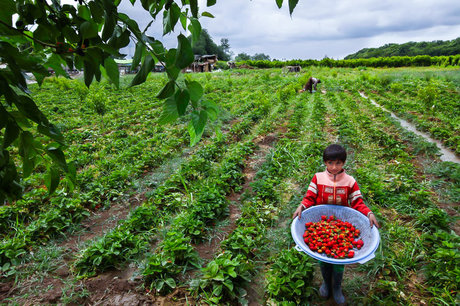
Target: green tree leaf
184	55
170	112
167	91
51	131
89	71
196	91
170	18
84	12
88	29
196	126
11	133
195	28
7	11
52	179
96	11
112	71
109	26
182	98
138	55
211	108
207	14
292	5
146	68
279	3
57	156
194	8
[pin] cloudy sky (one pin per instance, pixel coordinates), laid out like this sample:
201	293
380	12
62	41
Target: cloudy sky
333	28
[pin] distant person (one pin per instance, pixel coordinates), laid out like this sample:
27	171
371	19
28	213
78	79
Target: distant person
310	85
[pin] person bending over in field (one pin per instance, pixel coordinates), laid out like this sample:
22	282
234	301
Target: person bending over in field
311	84
334	186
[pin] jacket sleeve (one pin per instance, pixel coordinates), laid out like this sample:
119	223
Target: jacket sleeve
356	200
312	194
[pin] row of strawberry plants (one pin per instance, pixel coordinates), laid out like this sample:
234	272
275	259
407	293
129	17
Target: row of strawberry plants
287	265
174	192
106	177
102	154
437	240
65	212
431	104
47	225
163	269
225	278
396	187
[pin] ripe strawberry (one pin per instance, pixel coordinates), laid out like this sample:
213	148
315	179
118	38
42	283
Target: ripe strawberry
332	236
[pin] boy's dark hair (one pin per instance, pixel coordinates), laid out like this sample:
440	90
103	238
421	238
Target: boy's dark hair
335	152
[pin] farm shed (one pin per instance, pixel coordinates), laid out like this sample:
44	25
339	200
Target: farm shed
202	63
124	66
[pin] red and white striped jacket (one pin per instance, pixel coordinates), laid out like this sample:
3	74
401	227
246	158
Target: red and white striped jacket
338	189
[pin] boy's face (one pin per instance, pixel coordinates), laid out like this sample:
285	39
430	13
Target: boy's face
334	166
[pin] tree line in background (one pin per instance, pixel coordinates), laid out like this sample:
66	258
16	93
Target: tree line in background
434	48
256	57
394	61
439	53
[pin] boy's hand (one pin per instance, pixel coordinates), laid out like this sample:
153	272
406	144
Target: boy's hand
373	220
298	211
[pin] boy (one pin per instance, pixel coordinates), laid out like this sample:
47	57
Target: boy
334	186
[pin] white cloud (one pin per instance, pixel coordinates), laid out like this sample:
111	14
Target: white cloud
334	28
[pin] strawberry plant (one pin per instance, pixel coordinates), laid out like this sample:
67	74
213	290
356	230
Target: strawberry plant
174	255
245	240
223	279
289	278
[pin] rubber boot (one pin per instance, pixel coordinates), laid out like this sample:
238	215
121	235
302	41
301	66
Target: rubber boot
325	289
337	287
